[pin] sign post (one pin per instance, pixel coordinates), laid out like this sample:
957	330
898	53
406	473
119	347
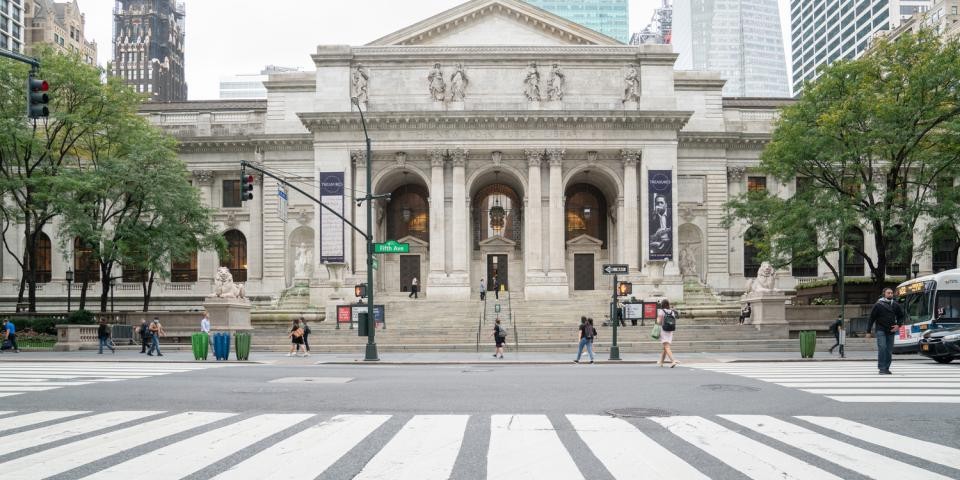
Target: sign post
615	269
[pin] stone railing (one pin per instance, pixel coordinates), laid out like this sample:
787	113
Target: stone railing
71	338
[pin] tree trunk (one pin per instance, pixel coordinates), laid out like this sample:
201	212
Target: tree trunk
105	284
23	286
147	291
83	293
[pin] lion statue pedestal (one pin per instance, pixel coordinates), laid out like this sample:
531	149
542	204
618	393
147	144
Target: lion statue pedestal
228	306
768	305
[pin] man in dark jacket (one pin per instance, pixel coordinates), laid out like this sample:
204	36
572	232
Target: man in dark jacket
144	332
888	315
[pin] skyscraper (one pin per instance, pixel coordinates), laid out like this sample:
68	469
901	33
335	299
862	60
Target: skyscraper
11	25
609	17
148	40
741	39
824	31
59	25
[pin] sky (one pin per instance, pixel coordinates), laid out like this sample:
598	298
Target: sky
227	37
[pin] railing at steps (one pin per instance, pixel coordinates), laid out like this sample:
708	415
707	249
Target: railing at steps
516	341
483	316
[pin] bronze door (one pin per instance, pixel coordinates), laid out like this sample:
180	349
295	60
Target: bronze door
583	271
409	268
497	265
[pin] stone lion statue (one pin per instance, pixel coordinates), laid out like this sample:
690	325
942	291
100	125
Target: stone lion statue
766	280
223	286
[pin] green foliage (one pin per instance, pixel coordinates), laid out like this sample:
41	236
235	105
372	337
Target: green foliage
81	317
873	138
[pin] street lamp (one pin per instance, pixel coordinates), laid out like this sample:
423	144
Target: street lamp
371	351
111	293
915	268
69	278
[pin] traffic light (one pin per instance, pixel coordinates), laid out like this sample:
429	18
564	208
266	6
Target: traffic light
624	289
37	97
246	187
360	291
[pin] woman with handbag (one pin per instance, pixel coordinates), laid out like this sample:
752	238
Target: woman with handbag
296	338
667	321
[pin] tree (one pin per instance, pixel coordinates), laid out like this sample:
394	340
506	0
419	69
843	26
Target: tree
876	144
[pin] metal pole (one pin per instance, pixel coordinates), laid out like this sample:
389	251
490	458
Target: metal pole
843	298
614	348
68	295
371	351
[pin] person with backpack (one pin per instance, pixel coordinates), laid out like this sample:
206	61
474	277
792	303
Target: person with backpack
103	334
587	334
835	328
10	335
500	336
296	338
667	319
156	330
745	313
306	336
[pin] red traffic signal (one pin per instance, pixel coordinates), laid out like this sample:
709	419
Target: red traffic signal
246	187
37	98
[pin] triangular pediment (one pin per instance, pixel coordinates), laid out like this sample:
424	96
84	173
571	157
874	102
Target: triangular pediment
413	241
497	241
495	22
584	241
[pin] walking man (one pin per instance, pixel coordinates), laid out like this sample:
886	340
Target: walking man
835	329
10	334
888	315
103	334
414	287
496	286
156	330
587	333
144	332
483	291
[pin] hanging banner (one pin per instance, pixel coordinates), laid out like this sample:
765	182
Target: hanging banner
331	227
660	186
282	203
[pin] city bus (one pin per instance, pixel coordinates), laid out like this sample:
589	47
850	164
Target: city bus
931	301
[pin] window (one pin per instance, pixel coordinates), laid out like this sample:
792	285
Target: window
897	258
945	248
237	260
853	261
231	194
184	270
43	258
805	261
756	184
586	213
751	251
132	275
85	266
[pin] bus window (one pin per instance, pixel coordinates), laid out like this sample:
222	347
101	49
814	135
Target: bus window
949	301
917	306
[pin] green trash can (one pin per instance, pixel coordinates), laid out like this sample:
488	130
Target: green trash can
808	343
242	346
201	345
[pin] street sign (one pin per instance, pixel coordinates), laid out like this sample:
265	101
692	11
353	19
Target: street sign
391	246
615	269
282	203
376	264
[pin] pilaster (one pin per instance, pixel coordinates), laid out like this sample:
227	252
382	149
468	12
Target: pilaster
631	210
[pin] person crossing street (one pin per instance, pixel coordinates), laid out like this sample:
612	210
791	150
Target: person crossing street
888	315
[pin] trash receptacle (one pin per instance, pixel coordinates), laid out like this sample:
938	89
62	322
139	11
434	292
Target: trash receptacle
221	345
242	349
201	345
808	343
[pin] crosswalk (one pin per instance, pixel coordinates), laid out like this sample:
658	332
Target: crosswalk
300	446
856	381
17	378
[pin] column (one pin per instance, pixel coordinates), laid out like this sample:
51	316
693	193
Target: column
207	260
557	245
533	216
631	210
359	251
437	254
460	249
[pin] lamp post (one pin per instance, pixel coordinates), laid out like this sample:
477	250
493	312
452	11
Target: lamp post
915	269
111	293
371	351
69	278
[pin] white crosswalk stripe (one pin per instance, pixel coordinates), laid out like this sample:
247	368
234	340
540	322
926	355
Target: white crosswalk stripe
17	378
856	381
225	446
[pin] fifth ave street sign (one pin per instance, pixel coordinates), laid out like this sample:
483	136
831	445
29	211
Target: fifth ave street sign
391	246
615	269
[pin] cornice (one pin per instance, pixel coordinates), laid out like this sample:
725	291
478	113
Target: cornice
727	140
498	120
523	53
757	102
203	106
245	144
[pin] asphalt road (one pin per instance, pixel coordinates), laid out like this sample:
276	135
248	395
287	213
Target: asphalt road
486	421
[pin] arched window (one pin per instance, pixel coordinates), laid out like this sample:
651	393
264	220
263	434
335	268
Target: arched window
945	247
496	213
43	258
586	212
853	262
897	258
237	260
805	263
85	266
408	213
751	251
184	270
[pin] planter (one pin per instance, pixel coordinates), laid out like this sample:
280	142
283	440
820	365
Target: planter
808	343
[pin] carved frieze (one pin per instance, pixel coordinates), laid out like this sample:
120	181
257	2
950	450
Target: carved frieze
203	177
531	84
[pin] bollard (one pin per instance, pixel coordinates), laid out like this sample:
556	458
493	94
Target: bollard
242	341
808	343
200	343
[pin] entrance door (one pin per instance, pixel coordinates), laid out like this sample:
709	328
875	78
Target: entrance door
583	271
497	265
409	268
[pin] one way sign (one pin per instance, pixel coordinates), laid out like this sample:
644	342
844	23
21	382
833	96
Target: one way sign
616	269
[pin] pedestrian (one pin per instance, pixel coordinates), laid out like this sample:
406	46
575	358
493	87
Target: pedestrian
483	291
835	327
306	336
296	338
587	334
10	335
103	334
144	332
414	288
496	286
667	319
620	309
745	313
888	315
500	337
205	323
156	331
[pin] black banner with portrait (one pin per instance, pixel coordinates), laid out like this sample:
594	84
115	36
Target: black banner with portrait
660	186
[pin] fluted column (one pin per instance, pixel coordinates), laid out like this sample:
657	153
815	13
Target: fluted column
460	248
437	227
533	215
557	244
631	212
358	257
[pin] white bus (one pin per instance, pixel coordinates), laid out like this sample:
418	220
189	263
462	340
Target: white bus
931	301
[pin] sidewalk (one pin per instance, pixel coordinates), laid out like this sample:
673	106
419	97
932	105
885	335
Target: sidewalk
532	358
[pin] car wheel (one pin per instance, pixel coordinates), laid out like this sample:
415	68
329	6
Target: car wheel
943	359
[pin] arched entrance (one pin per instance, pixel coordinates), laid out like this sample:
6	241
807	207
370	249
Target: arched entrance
586	233
497	231
406	219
